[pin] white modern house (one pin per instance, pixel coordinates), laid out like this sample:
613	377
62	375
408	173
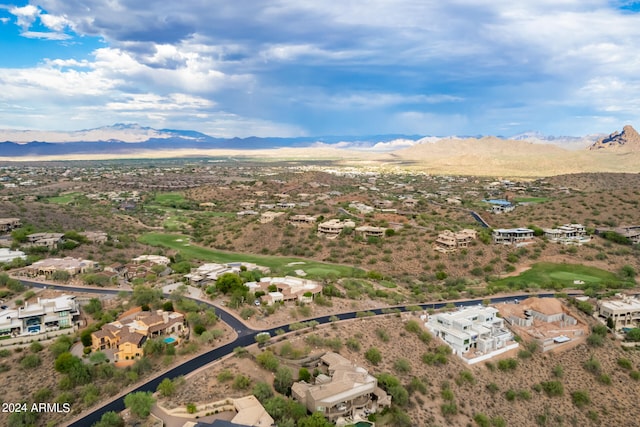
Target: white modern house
43	316
568	234
474	330
7	255
513	236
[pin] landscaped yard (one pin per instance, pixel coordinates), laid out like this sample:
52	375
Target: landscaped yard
278	265
548	275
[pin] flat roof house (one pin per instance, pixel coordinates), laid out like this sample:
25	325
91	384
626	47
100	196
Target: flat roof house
342	389
332	228
302	220
42	316
477	329
568	234
624	311
367	231
512	236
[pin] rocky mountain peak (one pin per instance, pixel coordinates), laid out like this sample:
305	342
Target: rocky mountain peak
628	140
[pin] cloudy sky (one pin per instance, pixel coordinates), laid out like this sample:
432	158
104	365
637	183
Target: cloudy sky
349	67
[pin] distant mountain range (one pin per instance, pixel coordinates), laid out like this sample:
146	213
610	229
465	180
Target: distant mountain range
525	155
120	139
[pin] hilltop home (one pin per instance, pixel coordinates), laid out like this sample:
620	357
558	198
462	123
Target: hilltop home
342	389
512	236
367	231
50	240
448	241
568	234
8	224
624	311
72	266
286	288
477	329
211	271
302	220
45	315
128	334
332	228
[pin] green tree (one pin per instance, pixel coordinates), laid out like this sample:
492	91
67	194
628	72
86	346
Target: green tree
110	419
316	419
633	335
93	306
139	403
144	295
262	391
228	282
166	387
283	380
304	375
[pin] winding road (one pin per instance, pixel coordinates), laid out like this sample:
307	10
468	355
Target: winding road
246	337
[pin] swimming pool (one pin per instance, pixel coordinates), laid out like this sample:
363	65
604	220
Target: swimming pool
169	340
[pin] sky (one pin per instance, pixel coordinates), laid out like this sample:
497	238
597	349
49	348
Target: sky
308	68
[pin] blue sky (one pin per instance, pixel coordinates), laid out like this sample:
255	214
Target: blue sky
292	68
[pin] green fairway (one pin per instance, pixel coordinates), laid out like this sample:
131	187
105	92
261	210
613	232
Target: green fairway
63	199
548	275
169	199
531	199
278	265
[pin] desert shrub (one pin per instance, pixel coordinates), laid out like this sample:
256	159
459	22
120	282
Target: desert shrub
553	388
353	344
580	398
507	364
225	376
402	366
373	355
625	363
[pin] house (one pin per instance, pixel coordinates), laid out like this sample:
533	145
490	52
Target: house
361	207
476	329
128	334
8	224
72	266
95	236
45	315
499	206
211	271
513	236
154	259
568	234
448	241
624	311
49	240
269	216
7	255
332	228
286	288
341	390
367	231
302	220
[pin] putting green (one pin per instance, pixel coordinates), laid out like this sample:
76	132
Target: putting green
567	275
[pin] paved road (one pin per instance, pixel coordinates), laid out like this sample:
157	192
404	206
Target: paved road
246	337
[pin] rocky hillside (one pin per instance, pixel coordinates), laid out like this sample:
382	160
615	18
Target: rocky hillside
627	140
